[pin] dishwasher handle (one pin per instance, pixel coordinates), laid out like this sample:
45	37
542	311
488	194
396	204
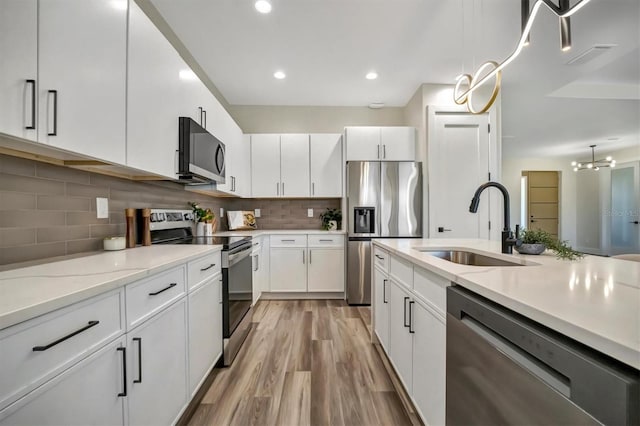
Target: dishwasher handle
535	367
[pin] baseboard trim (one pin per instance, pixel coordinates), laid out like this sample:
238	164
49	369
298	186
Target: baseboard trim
197	397
300	296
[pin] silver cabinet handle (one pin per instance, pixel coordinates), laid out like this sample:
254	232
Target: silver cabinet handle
303	261
310	251
283	188
288	241
313	188
325	241
277	188
378	155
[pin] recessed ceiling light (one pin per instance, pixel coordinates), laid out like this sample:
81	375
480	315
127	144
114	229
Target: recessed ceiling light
372	75
376	105
187	75
263	6
279	75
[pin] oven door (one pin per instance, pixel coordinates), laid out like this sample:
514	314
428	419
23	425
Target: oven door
237	289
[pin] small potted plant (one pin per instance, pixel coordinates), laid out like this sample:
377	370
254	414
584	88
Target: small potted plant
331	219
204	219
536	241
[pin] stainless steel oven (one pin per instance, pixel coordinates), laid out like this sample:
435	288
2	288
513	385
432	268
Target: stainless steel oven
237	291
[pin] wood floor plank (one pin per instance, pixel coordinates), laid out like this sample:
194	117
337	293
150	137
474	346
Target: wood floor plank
305	362
295	406
389	409
326	408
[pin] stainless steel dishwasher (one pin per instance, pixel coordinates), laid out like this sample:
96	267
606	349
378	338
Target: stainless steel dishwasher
504	369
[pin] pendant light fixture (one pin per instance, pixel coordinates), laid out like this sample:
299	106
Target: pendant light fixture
593	164
466	83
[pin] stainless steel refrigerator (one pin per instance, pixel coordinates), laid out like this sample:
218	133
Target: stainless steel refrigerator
384	200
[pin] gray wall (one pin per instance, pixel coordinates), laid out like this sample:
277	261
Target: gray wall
286	214
311	119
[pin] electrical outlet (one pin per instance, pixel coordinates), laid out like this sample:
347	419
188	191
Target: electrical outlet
221	212
309	212
256	212
102	208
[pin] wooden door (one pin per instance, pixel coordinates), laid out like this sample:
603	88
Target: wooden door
458	165
542	200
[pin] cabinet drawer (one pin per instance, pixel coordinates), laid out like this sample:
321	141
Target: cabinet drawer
36	350
401	270
381	259
432	288
203	268
326	240
148	296
288	241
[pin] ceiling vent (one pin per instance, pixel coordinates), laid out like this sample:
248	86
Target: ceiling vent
590	54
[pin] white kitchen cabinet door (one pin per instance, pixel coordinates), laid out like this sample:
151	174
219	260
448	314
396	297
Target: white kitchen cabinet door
205	330
325	154
400	340
294	165
19	70
82	72
89	393
157	373
429	372
381	307
288	269
242	167
398	143
265	267
363	143
326	270
154	101
265	165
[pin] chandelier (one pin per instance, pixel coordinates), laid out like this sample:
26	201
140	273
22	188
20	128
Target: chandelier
593	164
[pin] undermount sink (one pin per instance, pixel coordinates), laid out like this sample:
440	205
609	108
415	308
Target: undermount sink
468	258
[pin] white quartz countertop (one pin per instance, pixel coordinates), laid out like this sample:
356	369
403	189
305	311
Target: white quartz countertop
594	300
35	290
260	232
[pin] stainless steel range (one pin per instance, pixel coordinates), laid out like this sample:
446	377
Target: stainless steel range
176	227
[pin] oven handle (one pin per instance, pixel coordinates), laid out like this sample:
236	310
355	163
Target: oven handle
239	256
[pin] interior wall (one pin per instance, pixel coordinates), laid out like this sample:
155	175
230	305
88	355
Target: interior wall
511	176
311	119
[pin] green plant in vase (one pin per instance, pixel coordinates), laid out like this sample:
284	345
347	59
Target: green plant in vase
331	219
541	238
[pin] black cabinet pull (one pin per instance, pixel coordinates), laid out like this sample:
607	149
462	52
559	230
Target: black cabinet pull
405	313
200	108
379	257
139	340
411	317
384	291
208	267
205	118
68	336
124	371
155	293
55	113
33	104
443	229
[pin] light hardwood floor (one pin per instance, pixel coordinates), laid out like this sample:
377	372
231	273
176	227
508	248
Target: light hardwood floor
305	362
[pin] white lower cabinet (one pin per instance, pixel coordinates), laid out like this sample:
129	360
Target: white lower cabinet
205	330
326	270
400	338
288	269
412	332
381	307
158	367
429	355
90	393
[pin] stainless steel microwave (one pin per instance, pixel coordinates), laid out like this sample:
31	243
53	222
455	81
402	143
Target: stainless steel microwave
200	155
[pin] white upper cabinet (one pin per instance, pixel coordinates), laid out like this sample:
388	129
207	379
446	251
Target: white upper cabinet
294	165
82	67
380	143
154	94
265	165
398	143
19	69
325	153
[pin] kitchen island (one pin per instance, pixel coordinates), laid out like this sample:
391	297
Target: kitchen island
594	301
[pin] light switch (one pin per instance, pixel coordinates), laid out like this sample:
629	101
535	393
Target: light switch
102	208
256	212
309	212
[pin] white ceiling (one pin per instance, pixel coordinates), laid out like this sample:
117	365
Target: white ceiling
327	46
